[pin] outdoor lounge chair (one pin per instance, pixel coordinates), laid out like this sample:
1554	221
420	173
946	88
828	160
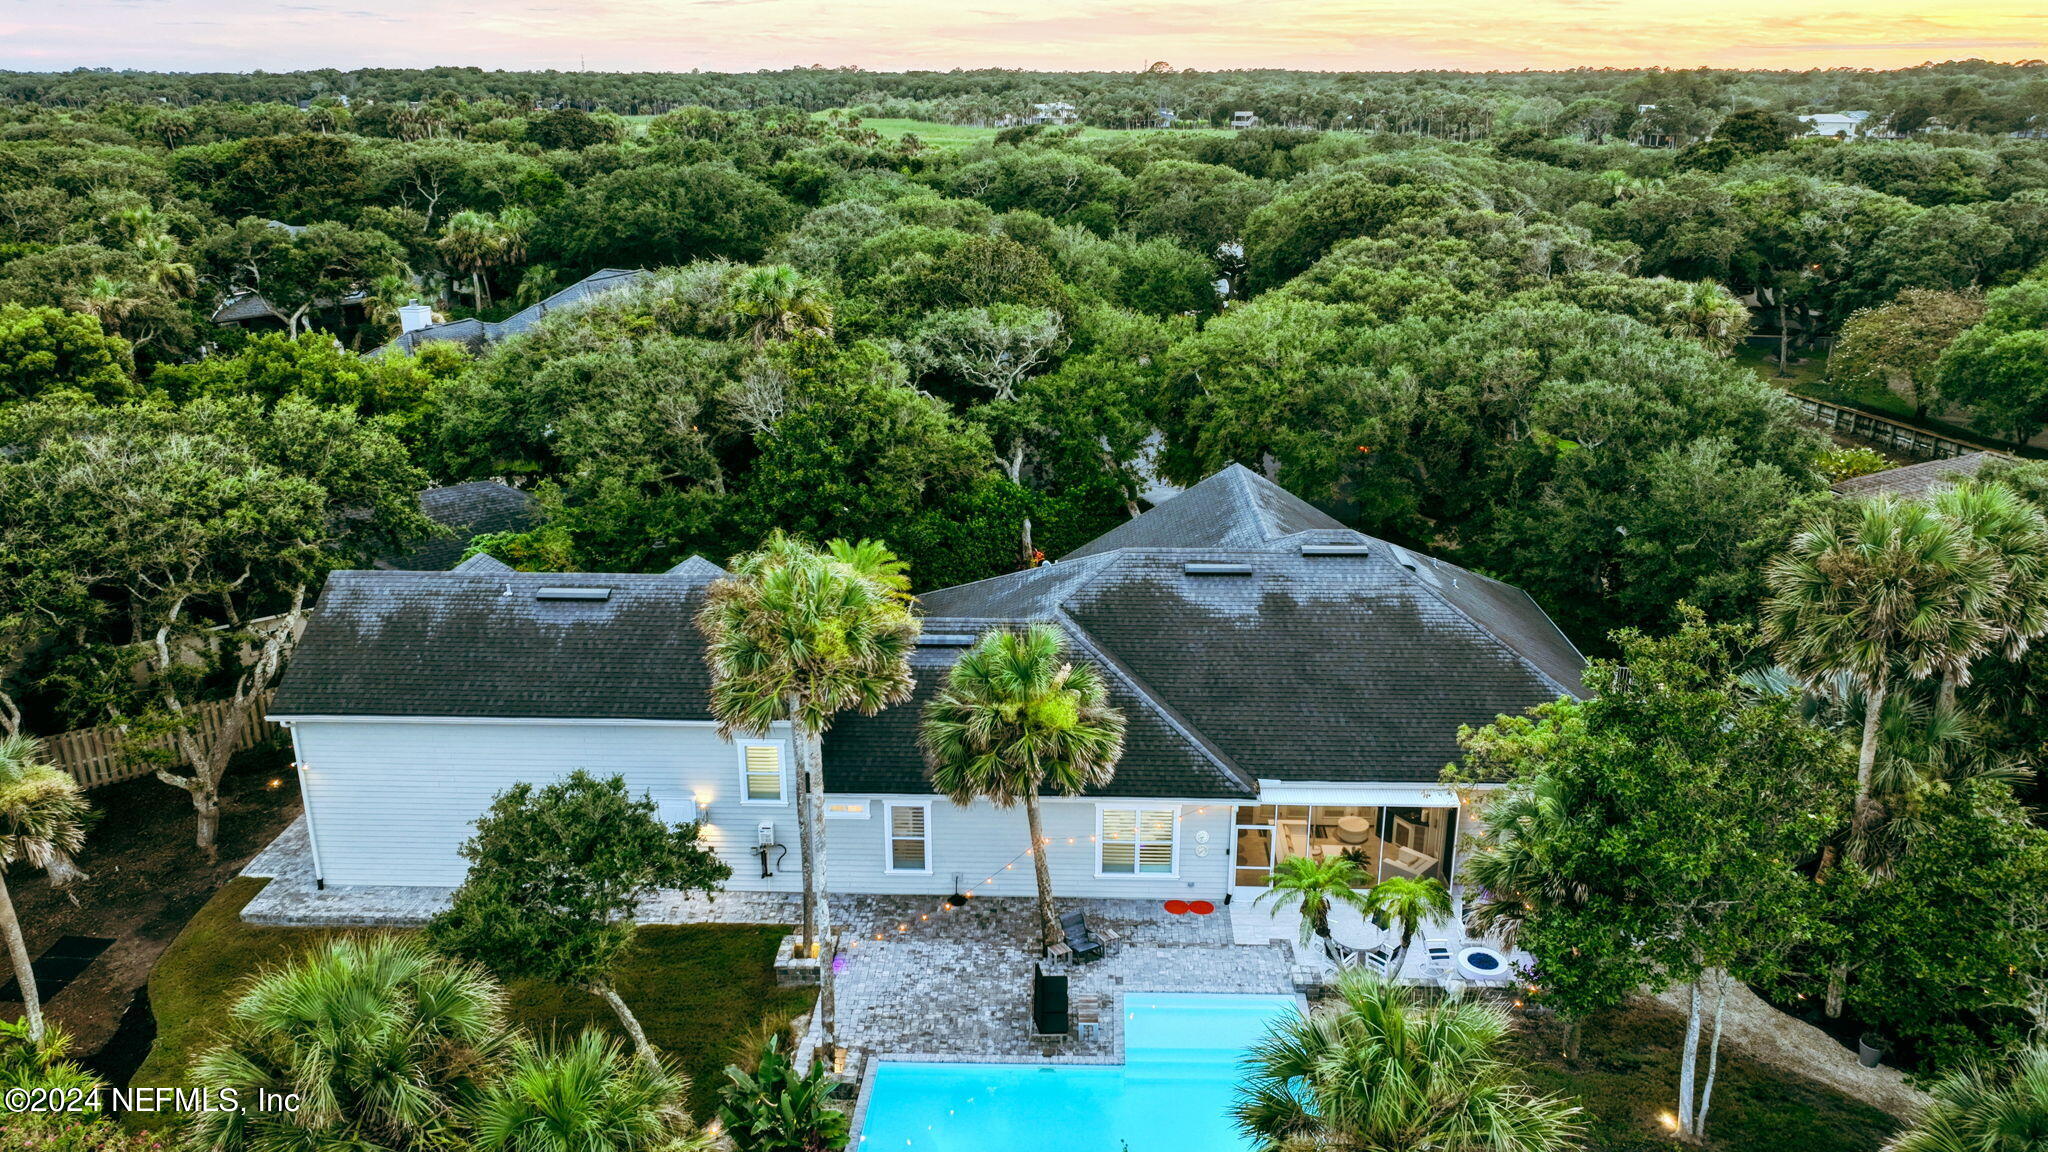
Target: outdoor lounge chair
1084	943
1437	954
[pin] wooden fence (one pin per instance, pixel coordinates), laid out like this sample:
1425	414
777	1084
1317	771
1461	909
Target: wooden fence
1890	433
106	754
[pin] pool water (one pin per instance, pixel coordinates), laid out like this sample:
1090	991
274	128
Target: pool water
1173	1093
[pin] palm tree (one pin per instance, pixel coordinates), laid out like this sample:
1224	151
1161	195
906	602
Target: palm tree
1898	590
1380	1070
1981	1109
386	1044
1409	902
798	636
2012	530
472	243
589	1095
1511	864
162	263
1315	886
778	302
1016	718
42	821
1707	312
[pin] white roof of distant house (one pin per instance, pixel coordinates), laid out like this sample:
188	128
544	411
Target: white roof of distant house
1829	123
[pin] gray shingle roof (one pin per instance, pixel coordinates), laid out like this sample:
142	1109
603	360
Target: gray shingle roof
469	510
1314	653
1914	480
1235	508
1334	667
481	642
475	334
879	753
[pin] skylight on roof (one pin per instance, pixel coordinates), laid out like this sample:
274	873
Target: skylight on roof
572	594
1200	568
1336	550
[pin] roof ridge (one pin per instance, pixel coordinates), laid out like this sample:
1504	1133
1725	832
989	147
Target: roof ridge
1414	577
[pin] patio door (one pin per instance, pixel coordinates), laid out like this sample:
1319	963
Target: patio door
1255	836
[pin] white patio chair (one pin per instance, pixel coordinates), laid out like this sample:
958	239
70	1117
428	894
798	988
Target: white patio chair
1381	960
1437	957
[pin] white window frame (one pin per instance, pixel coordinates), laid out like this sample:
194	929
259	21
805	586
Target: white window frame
865	811
782	763
1137	811
889	837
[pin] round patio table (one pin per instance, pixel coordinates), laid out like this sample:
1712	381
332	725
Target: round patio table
1353	829
1201	907
1349	927
1177	907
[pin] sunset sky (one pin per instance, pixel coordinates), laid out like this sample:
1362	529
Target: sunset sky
1119	35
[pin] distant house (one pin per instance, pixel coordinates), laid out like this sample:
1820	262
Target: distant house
1055	113
1244	120
251	311
1915	481
417	327
1164	118
468	511
1842	124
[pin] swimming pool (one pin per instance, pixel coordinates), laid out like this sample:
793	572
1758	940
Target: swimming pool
1172	1093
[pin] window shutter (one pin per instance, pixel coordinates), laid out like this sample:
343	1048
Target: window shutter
907	841
1155	840
1119	840
764	772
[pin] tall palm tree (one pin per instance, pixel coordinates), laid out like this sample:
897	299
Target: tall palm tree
1017	718
473	243
1380	1070
797	635
589	1095
1899	590
777	302
42	821
2015	534
386	1044
1985	1109
1315	886
1409	902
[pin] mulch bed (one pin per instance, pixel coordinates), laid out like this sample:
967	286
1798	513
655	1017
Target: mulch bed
147	880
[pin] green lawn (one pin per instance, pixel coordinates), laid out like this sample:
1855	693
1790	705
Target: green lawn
1626	1078
698	989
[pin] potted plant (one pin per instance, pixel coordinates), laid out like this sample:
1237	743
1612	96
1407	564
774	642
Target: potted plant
1870	1049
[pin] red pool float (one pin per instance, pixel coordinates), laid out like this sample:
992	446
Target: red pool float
1177	907
1201	907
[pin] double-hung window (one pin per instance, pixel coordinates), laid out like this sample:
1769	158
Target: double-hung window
762	778
1136	841
909	832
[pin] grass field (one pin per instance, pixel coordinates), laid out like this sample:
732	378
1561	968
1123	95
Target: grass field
1626	1075
698	990
937	135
